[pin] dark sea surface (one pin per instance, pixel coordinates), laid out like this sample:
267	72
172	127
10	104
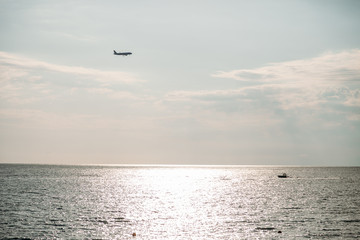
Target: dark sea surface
102	202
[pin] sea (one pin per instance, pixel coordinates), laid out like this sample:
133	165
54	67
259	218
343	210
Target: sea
178	202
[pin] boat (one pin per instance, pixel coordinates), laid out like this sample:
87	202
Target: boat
284	175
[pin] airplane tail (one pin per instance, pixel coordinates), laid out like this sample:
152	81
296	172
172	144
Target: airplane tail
115	52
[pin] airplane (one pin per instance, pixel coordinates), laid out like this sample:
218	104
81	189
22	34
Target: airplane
122	53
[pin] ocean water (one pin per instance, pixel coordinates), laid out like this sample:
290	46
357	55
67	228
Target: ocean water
102	202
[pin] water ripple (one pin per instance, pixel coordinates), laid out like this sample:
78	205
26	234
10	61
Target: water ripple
47	202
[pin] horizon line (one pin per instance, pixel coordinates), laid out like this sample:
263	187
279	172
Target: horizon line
173	165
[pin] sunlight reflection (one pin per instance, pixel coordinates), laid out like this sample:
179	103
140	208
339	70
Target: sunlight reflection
174	198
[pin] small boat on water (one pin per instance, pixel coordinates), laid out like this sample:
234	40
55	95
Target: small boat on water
284	175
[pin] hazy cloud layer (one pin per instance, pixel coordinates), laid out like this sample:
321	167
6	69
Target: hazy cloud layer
327	69
12	60
301	106
284	109
333	78
24	80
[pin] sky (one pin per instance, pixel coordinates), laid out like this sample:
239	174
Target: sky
209	82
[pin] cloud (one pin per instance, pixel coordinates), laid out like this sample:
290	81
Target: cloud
118	94
353	98
295	98
12	60
39	119
331	79
24	80
325	69
188	95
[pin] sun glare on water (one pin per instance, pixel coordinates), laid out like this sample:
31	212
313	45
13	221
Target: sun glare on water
173	199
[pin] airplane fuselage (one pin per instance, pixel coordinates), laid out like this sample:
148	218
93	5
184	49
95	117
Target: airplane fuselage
122	53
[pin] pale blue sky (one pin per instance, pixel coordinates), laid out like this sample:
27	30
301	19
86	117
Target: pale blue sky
209	82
